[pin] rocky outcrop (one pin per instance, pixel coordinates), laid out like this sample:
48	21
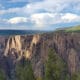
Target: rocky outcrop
35	47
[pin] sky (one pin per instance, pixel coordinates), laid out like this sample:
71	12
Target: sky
39	14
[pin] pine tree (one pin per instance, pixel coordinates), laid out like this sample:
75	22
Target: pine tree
2	75
76	76
24	71
55	67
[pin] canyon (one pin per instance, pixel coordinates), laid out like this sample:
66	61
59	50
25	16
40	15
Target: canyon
35	48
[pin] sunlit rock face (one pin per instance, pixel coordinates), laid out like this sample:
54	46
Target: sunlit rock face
36	39
14	42
15	45
35	48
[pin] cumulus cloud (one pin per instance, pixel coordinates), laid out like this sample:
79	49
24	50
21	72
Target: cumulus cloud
17	20
51	6
50	18
45	19
10	10
45	5
40	20
69	17
45	12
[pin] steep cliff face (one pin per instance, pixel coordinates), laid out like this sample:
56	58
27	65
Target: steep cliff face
14	42
35	47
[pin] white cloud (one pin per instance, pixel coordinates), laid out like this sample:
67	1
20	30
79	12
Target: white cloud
40	20
46	19
69	17
54	6
10	10
3	21
17	20
51	6
45	12
43	19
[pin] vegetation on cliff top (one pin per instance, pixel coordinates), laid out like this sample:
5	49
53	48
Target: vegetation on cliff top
70	29
73	29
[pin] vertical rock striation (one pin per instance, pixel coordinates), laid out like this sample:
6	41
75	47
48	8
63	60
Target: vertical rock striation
35	47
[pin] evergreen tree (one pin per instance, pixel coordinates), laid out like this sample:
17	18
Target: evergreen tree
76	76
39	78
2	75
55	67
24	71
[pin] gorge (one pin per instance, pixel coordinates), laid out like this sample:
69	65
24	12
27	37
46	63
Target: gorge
35	48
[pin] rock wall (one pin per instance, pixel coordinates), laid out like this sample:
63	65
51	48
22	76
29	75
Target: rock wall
35	47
